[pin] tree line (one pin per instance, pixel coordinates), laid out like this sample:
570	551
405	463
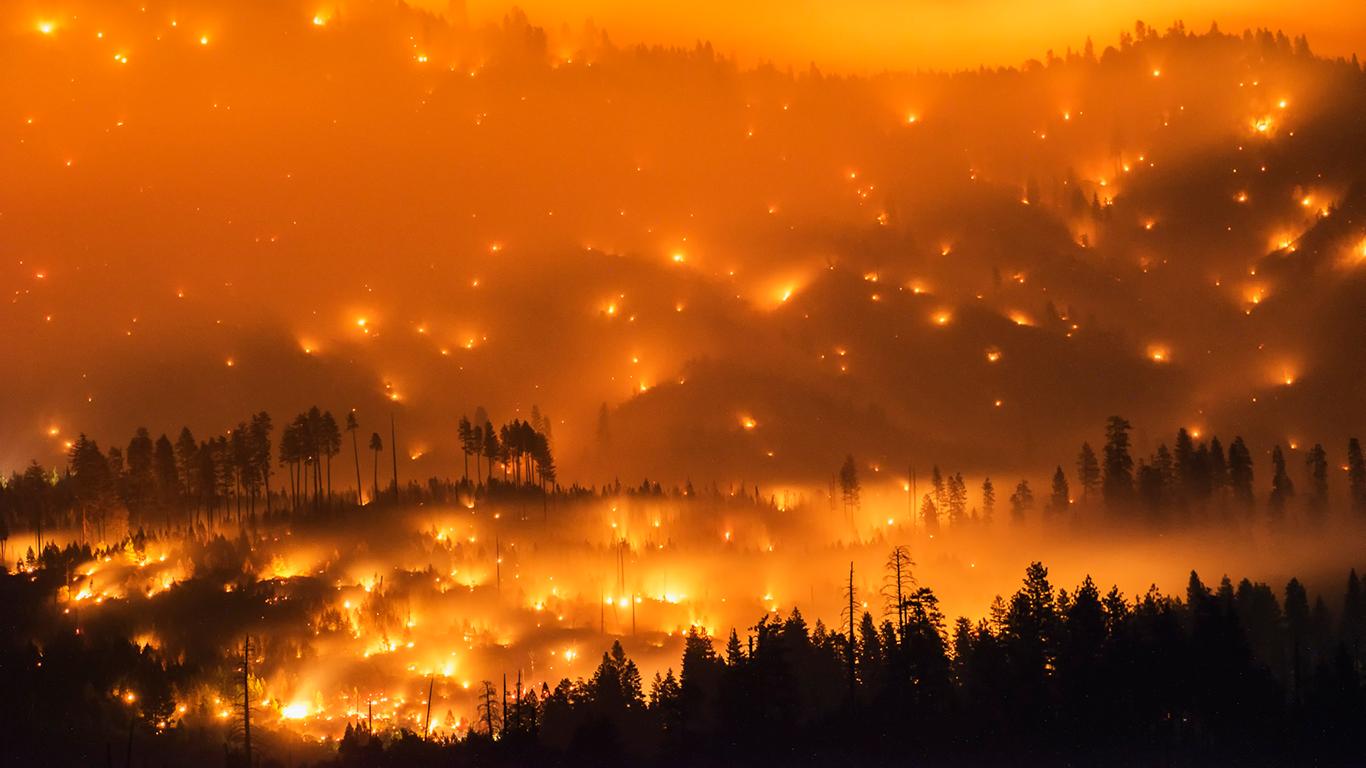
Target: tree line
196	484
1234	674
1186	482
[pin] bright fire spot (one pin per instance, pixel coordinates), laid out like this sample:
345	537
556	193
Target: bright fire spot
1159	354
942	318
46	27
993	355
748	422
296	711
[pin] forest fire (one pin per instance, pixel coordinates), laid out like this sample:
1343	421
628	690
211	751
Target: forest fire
688	388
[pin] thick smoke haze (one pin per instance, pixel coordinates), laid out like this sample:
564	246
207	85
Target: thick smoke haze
358	353
214	210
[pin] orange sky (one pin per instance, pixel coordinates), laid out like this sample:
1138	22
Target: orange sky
876	34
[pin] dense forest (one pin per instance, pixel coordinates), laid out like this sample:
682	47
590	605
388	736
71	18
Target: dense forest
1235	674
195	485
1242	673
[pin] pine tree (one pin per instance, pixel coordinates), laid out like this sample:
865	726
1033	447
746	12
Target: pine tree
929	514
1117	483
1021	501
329	440
941	499
465	433
1088	472
353	426
988	500
1356	476
958	499
376	445
1317	465
1060	497
1282	488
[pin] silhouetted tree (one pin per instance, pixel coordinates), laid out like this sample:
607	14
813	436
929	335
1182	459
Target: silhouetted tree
849	486
1282	488
187	462
1059	498
1316	462
897	584
165	470
1021	501
329	443
376	445
1240	473
465	434
1356	476
1118	482
1088	472
491	447
957	496
353	426
259	443
929	514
